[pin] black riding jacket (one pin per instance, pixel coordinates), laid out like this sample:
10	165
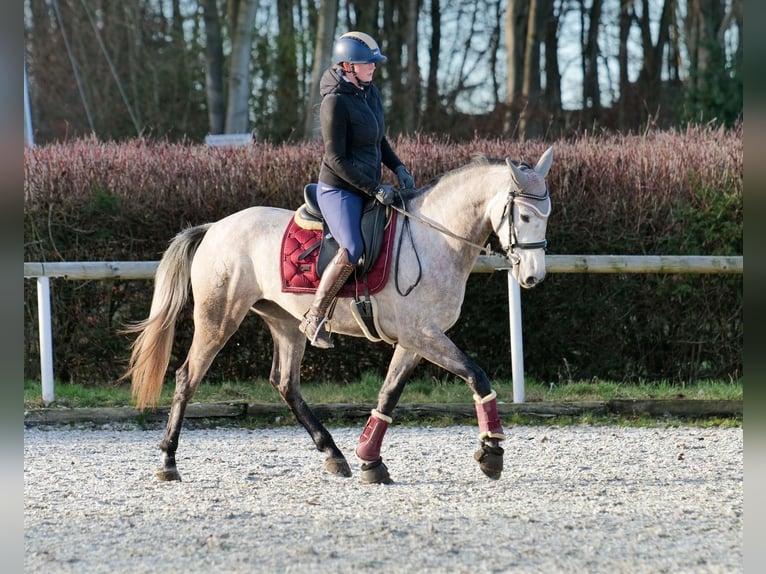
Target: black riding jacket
353	130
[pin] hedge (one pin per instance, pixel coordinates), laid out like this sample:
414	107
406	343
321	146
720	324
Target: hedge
662	192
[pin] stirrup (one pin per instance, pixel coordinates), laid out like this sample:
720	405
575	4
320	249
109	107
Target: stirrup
320	337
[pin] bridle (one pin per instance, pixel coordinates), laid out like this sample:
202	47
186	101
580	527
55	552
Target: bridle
513	242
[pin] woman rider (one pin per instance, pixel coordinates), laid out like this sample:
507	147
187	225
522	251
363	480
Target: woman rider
355	146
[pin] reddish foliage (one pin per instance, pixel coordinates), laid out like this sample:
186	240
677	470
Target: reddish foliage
663	192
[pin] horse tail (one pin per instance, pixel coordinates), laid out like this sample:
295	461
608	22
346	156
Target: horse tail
151	349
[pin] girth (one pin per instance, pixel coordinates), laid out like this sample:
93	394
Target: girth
375	218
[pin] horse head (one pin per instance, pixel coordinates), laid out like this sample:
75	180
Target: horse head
524	220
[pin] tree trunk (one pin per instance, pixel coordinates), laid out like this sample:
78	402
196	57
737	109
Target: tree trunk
411	88
287	104
703	32
626	21
433	107
651	72
237	110
516	17
213	67
530	126
494	43
389	75
591	91
328	18
366	17
552	73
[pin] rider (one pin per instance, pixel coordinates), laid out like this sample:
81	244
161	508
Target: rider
355	145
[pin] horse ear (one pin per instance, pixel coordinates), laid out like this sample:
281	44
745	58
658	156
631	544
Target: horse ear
518	175
545	161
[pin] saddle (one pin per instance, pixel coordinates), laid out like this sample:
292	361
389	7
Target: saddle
375	219
302	267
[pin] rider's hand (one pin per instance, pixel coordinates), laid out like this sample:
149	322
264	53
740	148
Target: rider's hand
385	194
406	181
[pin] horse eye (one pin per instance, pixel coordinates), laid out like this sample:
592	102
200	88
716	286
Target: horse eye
525	218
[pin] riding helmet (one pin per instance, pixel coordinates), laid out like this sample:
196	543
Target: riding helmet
356	48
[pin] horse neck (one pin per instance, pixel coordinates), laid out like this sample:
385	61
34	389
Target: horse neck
460	202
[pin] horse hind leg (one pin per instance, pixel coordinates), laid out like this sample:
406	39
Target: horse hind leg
289	347
214	324
169	443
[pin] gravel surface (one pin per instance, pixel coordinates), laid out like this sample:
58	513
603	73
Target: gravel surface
584	499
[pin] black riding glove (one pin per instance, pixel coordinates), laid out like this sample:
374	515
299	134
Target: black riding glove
406	181
385	194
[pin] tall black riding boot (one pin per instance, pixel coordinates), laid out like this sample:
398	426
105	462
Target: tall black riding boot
314	323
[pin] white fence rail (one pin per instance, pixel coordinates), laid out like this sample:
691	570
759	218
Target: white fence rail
94	270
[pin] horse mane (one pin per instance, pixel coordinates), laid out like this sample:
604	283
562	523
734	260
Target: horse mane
477	159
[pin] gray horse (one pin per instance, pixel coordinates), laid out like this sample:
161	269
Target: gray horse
233	266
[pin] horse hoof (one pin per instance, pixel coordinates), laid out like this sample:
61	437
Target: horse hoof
168	475
490	459
337	466
375	473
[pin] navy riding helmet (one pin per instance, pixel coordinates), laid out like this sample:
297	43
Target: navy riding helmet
356	48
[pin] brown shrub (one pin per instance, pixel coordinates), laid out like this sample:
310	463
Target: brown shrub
658	193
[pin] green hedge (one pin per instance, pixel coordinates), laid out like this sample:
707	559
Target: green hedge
677	193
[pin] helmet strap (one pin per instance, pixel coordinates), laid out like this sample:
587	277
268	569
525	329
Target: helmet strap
352	72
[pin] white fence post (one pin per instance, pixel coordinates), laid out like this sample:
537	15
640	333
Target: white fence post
46	339
517	347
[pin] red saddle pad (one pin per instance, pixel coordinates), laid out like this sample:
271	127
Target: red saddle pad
299	273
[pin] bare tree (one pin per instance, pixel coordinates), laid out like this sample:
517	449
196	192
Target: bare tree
625	22
141	62
715	81
552	94
432	104
238	106
591	93
287	100
325	37
401	75
411	88
651	71
216	107
530	125
363	15
516	20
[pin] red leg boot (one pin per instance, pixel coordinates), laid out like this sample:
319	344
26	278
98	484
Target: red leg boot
368	449
490	455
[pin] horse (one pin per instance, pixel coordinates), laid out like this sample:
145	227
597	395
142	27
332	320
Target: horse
232	267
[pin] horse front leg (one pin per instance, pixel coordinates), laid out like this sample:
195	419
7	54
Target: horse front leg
440	350
490	453
289	347
374	471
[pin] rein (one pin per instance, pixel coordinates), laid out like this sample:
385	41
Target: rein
434	225
441	229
